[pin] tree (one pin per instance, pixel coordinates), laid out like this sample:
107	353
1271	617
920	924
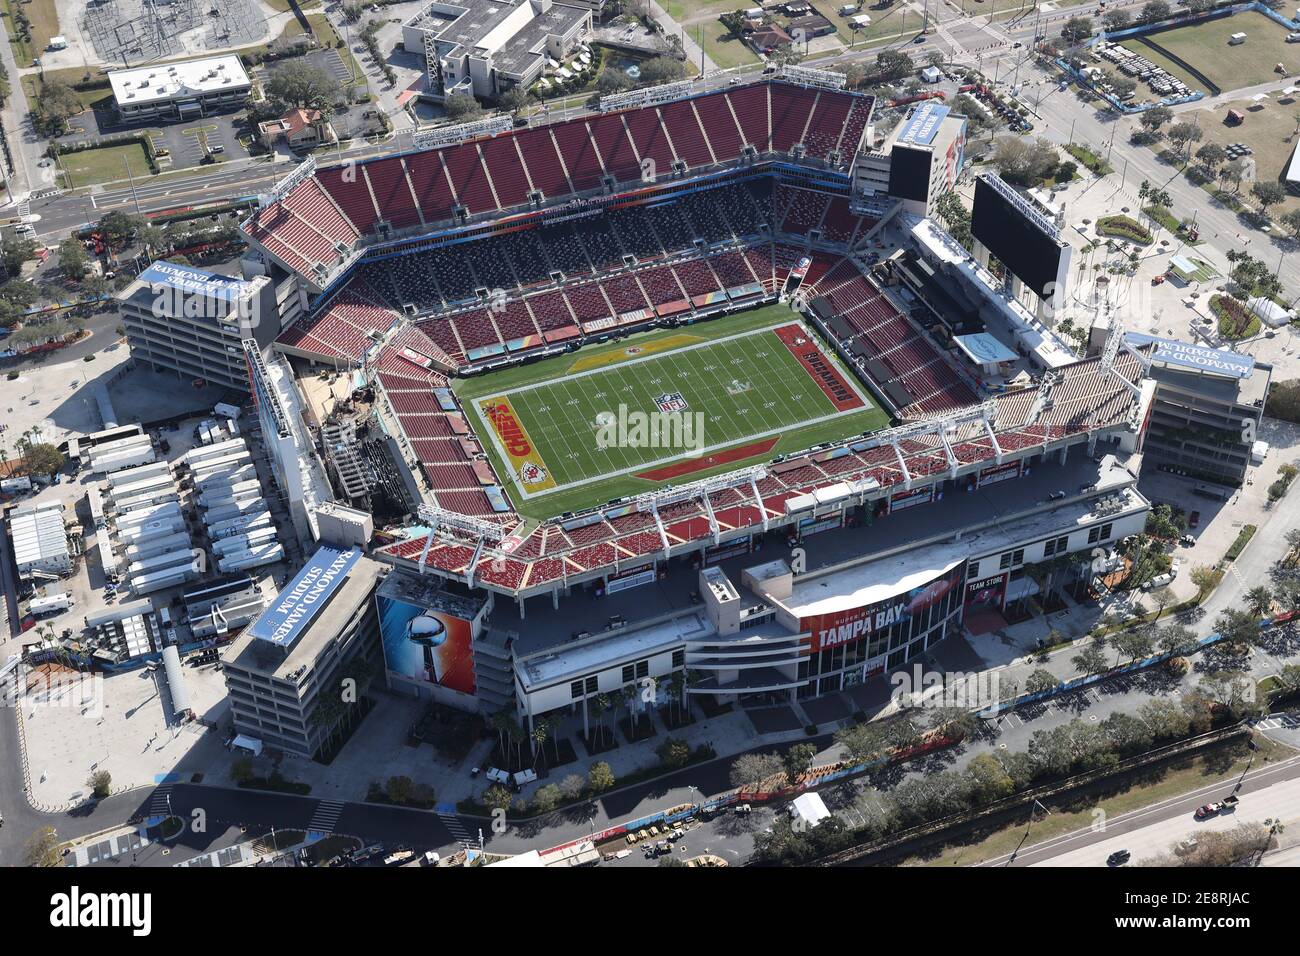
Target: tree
1259	600
56	103
1134	644
1211	156
1076	30
1205	578
43	848
662	69
1153	11
1267	194
1233	172
1238	626
514	100
674	753
798	759
119	227
1116	20
1023	161
497	798
1291	220
19	293
749	771
44	459
955	216
73	259
600	777
100	783
893	65
14	252
1089	661
1183	135
1156	117
1040	681
990	779
547	798
299	84
462	108
572	786
398	789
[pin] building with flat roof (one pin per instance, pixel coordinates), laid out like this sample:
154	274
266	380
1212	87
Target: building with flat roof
180	91
918	161
192	322
284	674
1207	409
485	47
40	540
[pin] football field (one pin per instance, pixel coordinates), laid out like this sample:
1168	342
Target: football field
671	406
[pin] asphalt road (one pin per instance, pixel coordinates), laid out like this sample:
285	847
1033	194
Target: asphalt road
1265	791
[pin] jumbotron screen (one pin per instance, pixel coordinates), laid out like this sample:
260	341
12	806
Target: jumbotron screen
909	172
1016	242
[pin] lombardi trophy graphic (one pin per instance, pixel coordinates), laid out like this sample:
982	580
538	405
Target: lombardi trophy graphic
428	632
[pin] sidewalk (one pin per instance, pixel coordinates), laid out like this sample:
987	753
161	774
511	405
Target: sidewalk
27	175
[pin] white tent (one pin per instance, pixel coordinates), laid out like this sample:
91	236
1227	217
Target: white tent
810	808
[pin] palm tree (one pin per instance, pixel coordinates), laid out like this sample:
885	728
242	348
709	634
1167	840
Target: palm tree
501	722
601	705
629	694
541	730
1259	600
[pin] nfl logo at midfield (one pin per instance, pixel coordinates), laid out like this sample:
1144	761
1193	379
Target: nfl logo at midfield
671	402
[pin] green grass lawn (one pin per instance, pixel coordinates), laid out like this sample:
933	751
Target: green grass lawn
739	382
45	24
104	164
722	48
1153	787
1205	46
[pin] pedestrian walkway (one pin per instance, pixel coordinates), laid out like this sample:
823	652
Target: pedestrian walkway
452	822
326	816
160	801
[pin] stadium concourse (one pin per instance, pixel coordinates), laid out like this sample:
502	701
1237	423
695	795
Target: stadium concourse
512	245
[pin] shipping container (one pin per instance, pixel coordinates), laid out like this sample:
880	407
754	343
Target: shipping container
239	525
228	447
243	560
253	538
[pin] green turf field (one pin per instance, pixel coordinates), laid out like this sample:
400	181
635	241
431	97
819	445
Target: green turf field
670	406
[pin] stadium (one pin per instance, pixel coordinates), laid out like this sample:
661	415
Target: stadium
628	347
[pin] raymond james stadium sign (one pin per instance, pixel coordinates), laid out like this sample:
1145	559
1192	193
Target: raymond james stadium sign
304	596
1200	357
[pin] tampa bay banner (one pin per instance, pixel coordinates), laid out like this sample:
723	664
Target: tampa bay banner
853	624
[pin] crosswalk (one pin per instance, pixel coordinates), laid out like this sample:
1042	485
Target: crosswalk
159	803
458	831
1278	721
326	816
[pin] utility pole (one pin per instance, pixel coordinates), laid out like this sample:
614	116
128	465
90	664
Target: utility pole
131	178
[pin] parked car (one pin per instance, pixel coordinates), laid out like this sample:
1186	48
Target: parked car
1119	858
1194	519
